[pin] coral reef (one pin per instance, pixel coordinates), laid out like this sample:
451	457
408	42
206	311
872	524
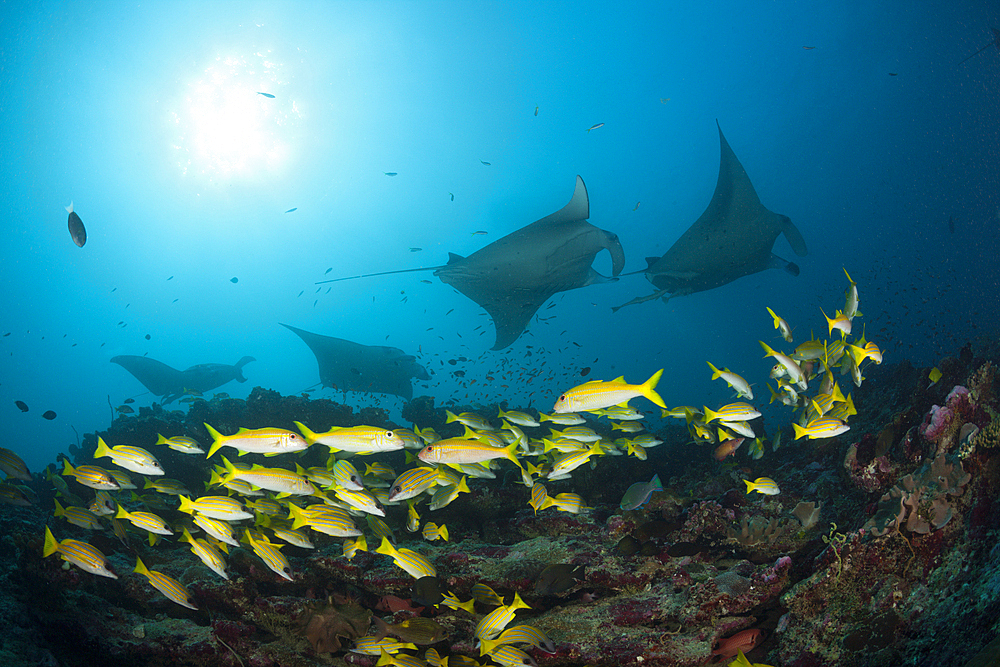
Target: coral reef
920	501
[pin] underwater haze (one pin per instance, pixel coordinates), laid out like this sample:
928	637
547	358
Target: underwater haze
212	210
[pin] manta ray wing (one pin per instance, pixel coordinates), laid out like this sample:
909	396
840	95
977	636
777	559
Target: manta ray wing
156	376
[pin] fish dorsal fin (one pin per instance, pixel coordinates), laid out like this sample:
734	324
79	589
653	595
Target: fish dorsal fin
453	258
619	380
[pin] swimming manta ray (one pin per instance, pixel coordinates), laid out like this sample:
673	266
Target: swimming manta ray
732	238
513	276
162	380
350	366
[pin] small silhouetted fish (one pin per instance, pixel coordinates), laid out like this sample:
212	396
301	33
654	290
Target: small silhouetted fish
327	271
147	336
893	73
234	279
128	400
423	281
427	591
22	406
315	302
267	95
951	225
415	249
449	311
558	578
452	196
302	292
391	173
628	546
6	334
76	228
124	410
585	371
479	233
49	414
113	289
486	163
170	278
536	111
175	301
459	374
292	209
808	48
594	127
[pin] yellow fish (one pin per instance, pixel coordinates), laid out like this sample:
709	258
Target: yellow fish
782	326
597	395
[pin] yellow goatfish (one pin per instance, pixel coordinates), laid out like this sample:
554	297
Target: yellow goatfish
81	554
597	395
782	327
267	441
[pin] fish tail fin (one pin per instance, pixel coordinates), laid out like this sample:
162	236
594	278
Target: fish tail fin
768	351
51	544
750	485
310	436
450	417
511	453
776	318
710	414
69	209
716	373
59	509
140	567
386	548
463	486
230	471
381	627
444	532
487	646
648	389
122	513
217	440
187	505
298	516
849	279
67	468
657	484
799	431
102	449
160	440
518	603
186	536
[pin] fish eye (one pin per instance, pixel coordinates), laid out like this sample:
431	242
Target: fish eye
429	449
563	397
397	488
292	436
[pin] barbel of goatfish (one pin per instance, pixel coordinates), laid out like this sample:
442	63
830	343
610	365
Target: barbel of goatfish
13	466
354	438
207	553
76	229
412	483
217	507
325	519
84	556
271	555
795	373
281	481
180	443
411	562
131	458
78	516
146	520
460	450
851	300
597	394
764	485
257	441
266	95
93	476
519	634
639	493
823	427
494	623
782	326
431	531
741	386
594	127
167	585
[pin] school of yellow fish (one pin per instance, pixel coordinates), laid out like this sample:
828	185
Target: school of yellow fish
267	507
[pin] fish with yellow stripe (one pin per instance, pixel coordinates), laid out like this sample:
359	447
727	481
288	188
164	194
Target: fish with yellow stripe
86	557
148	521
170	587
431	531
208	553
414	564
324	519
78	516
13	466
281	481
461	450
493	624
266	441
131	458
358	439
598	394
519	634
93	476
217	507
269	553
412	483
180	443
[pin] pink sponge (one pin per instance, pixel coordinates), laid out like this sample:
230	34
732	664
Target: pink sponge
935	422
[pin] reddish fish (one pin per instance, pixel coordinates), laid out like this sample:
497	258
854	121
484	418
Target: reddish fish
741	641
728	448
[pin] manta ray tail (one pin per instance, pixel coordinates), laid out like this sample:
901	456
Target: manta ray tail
641	299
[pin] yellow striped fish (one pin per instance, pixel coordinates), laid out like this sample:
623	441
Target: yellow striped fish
180	443
565	418
346	476
519	634
567	463
209	555
412	516
451	601
411	562
167	585
519	418
81	554
493	623
171	487
539	497
732	412
264	507
371	645
131	458
13	466
823	427
78	516
432	531
217	507
354	438
486	595
93	476
597	394
281	481
283	531
238	485
460	450
352	547
470	419
412	483
145	520
270	554
445	495
104	504
511	656
361	500
568	502
399	660
324	519
124	481
217	528
257	441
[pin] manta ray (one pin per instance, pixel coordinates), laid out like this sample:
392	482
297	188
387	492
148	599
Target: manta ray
350	366
513	276
732	238
162	380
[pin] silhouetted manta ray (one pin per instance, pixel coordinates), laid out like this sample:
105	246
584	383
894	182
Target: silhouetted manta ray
162	380
732	238
513	276
995	42
350	366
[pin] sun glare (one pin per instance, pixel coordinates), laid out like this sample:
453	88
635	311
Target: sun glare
226	129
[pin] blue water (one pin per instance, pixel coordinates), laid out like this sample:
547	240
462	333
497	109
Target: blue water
148	119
